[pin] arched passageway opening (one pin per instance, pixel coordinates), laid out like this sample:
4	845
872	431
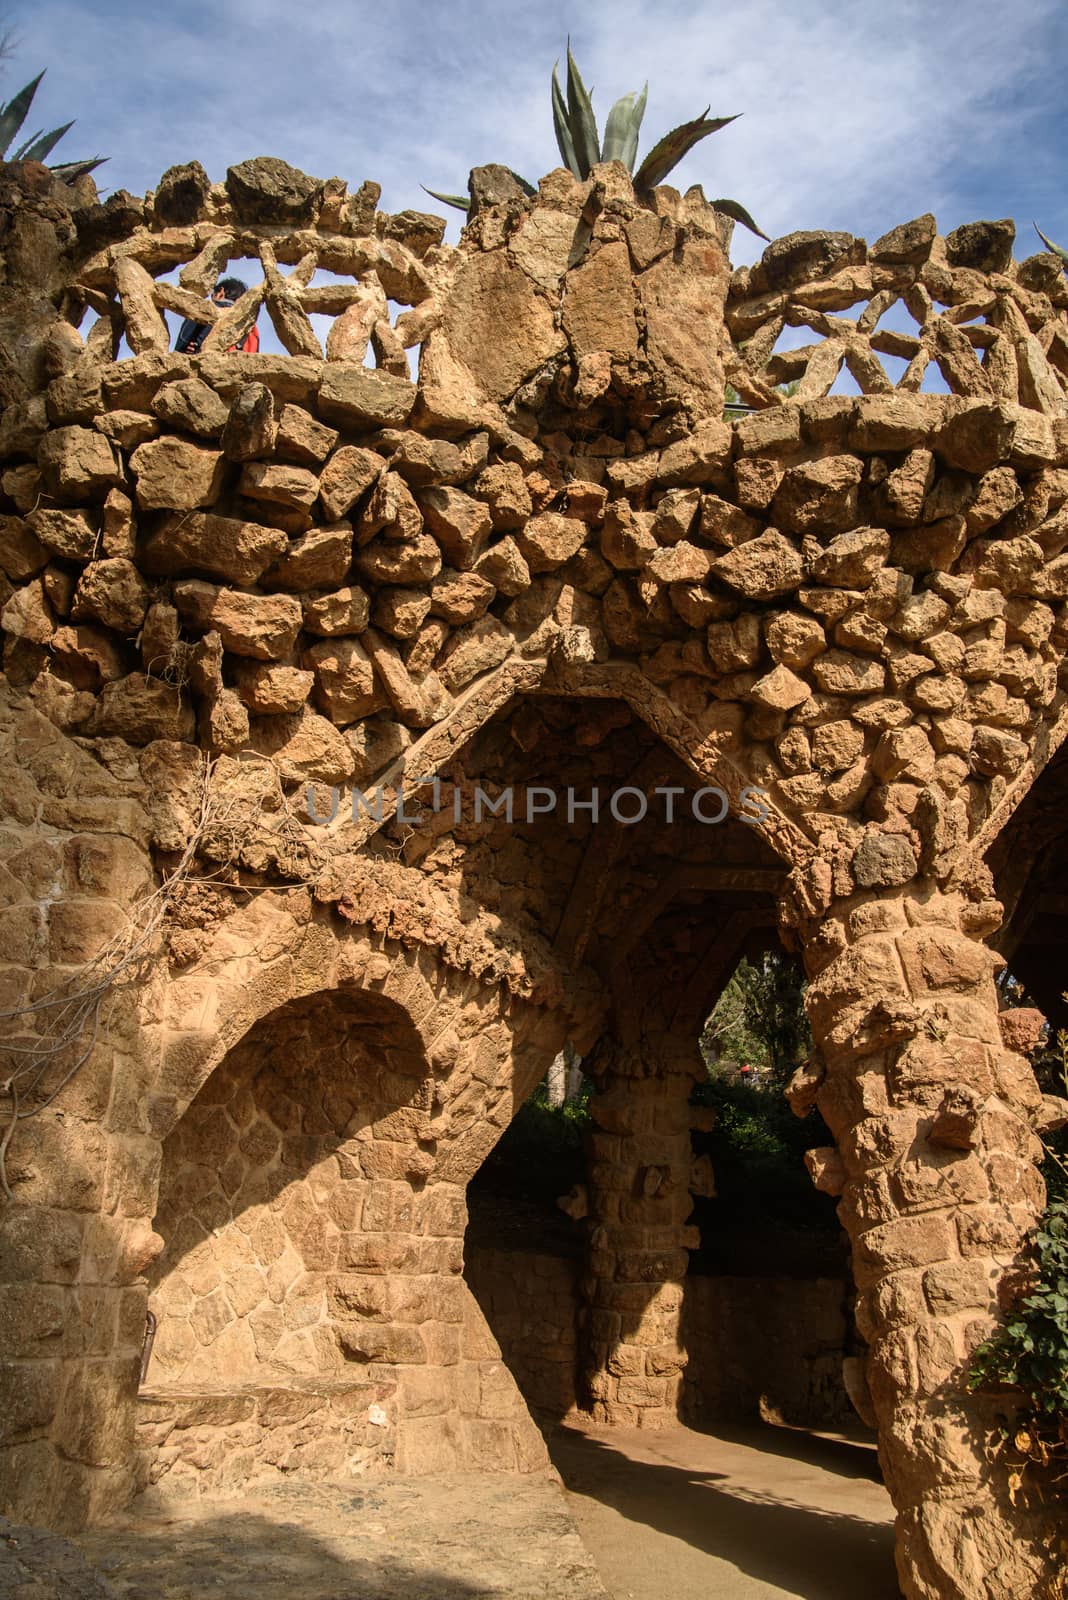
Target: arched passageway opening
1029	860
596	1244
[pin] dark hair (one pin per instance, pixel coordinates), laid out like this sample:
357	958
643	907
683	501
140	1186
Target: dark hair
233	286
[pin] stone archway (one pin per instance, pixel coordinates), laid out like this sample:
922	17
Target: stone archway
311	1312
300	568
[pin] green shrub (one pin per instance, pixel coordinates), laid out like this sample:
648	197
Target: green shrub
1029	1352
757	1150
539	1156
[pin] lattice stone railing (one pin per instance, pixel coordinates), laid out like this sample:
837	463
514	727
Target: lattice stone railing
383	258
958	309
991	326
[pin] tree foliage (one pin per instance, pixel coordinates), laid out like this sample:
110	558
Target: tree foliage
760	1019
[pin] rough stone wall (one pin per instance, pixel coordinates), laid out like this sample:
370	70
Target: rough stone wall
849	602
295	1162
530	1300
311	570
77	1236
754	1346
769	1347
304	1241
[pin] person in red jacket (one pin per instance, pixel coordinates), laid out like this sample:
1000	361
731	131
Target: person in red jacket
191	335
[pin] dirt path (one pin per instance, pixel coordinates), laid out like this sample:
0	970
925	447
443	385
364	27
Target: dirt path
469	1536
749	1514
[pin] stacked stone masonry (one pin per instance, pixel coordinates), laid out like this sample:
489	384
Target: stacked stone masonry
753	1346
233	587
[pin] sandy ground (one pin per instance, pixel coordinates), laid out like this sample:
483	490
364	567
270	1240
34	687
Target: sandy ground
468	1536
744	1514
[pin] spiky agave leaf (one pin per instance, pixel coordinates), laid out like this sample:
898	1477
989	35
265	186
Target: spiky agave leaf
13	114
1055	248
622	129
41	145
461	202
69	171
564	142
731	208
669	151
581	120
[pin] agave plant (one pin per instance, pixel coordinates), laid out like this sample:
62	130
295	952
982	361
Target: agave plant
1055	248
581	146
13	115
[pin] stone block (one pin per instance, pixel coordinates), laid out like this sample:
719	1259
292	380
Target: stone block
359	398
174	474
381	1342
225	547
78	464
31	1391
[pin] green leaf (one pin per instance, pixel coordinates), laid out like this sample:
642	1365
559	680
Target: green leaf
622	129
42	144
581	120
1055	248
731	208
13	114
669	151
564	142
461	202
20	153
70	171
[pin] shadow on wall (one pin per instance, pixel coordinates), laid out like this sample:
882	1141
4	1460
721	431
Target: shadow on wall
750	1515
765	1345
298	1155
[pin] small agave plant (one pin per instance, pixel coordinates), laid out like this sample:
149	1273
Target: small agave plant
581	146
13	115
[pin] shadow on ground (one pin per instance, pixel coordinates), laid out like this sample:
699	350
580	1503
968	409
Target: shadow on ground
472	1537
747	1512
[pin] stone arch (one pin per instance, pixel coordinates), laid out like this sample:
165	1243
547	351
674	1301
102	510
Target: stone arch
469	1026
310	1281
701	745
820	570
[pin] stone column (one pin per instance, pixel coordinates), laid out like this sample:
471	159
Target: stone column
936	1166
638	1166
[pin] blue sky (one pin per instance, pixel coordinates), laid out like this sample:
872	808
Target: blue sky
856	116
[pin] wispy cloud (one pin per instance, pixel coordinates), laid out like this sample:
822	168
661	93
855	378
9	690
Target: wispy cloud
855	116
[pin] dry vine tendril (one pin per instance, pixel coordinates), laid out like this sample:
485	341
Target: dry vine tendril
66	1022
